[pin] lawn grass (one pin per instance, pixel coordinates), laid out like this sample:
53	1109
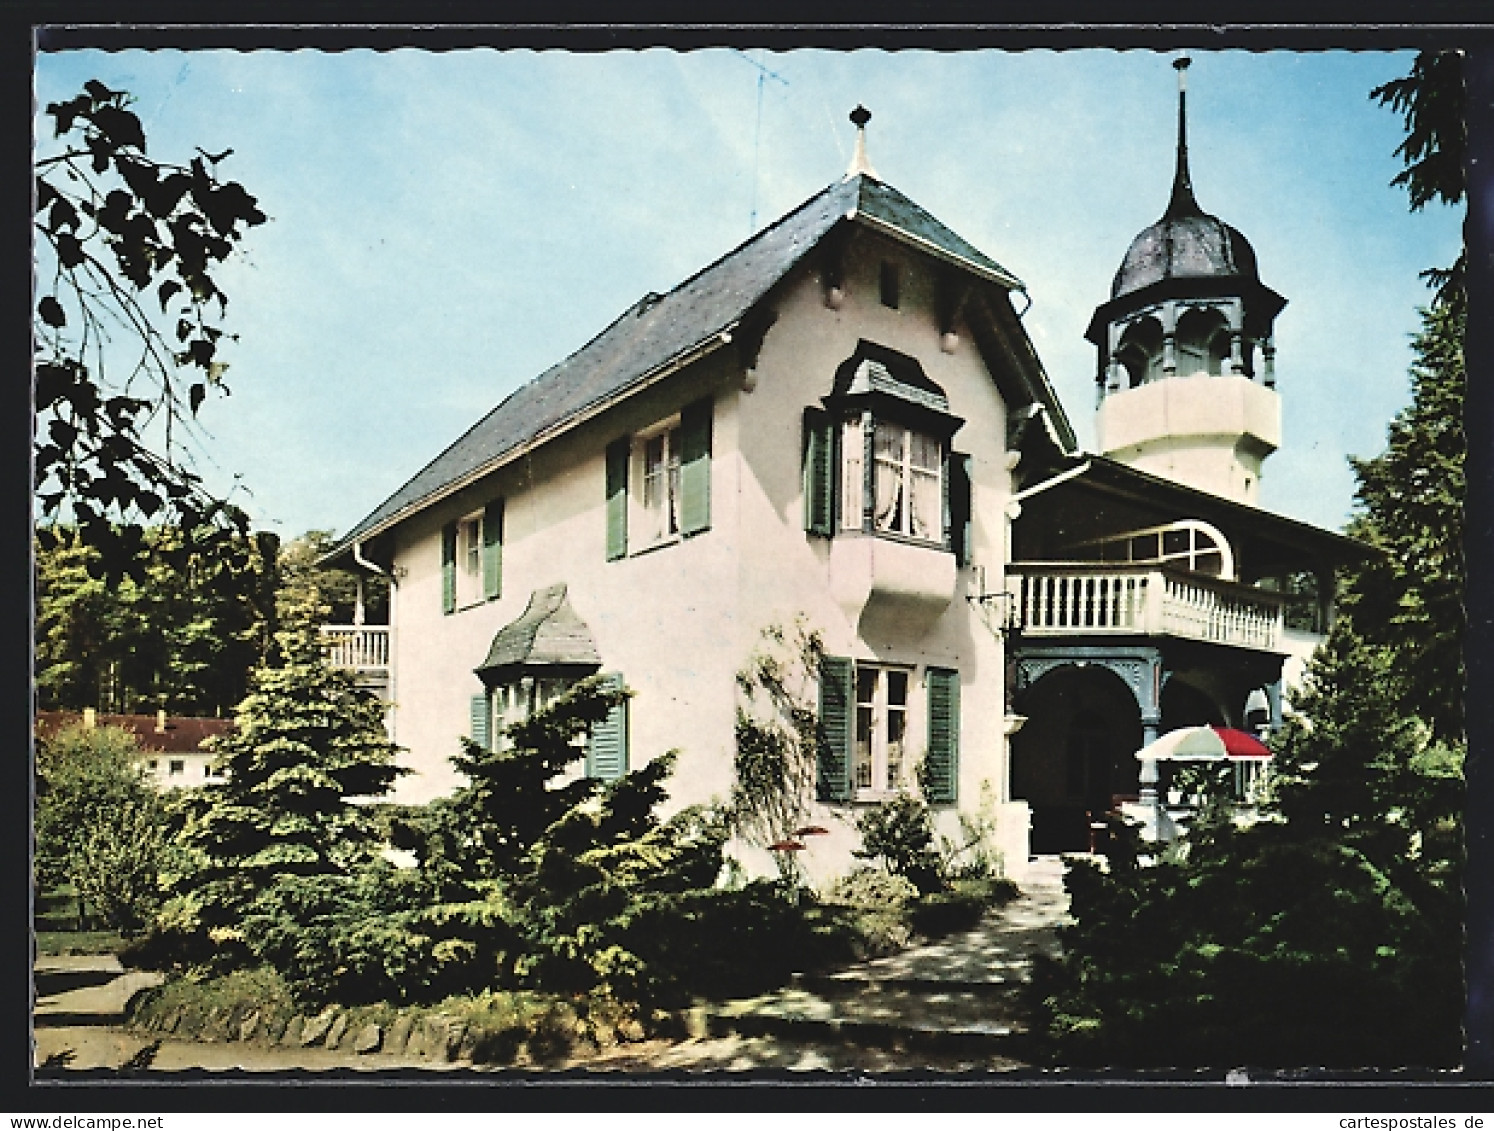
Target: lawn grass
78	942
55	926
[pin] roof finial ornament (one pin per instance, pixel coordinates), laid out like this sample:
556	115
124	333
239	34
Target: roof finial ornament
1182	202
860	166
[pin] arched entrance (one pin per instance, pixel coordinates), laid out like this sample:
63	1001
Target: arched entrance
1076	753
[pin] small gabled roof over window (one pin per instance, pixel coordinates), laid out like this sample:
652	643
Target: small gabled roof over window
549	635
877	369
884	379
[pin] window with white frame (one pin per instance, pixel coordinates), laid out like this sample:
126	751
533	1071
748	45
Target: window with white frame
906	483
907	480
878	753
657	502
469	559
514	702
1189	544
853	478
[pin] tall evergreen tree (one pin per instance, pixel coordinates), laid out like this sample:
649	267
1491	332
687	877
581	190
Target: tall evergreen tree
1410	506
308	750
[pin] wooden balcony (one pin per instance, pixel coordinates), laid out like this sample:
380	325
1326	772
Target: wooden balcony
362	649
1071	599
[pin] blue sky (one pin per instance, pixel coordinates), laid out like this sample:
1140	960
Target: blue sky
445	226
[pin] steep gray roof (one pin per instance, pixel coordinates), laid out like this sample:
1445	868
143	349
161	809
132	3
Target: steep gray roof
661	331
548	633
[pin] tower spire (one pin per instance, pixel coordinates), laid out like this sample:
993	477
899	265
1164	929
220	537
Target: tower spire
1182	202
860	165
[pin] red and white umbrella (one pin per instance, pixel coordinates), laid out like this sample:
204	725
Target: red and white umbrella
1203	744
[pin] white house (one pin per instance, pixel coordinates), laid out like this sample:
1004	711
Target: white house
843	420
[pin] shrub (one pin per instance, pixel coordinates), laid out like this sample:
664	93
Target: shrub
116	863
98	825
880	903
719	943
900	833
869	889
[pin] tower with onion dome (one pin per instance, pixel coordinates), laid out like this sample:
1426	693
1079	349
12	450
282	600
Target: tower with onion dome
1187	375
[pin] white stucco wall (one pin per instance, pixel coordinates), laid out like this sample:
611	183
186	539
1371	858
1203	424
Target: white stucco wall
679	620
785	574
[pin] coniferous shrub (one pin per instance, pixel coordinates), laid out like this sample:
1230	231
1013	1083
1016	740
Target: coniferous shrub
308	749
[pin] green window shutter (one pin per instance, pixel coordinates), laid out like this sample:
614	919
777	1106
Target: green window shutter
617	498
819	473
607	749
695	467
482	721
448	567
492	550
837	711
941	769
957	506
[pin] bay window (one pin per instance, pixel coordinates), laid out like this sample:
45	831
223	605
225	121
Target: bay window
878	458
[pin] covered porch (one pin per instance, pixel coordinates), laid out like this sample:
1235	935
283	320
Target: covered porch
1091	702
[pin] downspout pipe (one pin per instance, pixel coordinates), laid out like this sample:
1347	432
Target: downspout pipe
368	565
373	567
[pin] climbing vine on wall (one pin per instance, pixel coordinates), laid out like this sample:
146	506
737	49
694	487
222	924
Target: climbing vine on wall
777	741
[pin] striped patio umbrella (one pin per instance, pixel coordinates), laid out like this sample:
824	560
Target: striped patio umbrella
1203	744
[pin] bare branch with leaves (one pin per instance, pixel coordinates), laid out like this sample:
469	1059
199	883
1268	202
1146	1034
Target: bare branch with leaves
118	232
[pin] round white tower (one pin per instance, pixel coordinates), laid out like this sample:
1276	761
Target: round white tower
1187	376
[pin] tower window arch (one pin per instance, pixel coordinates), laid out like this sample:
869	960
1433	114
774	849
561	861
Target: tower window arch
1140	352
1202	342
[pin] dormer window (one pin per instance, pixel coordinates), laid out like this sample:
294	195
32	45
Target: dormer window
878	458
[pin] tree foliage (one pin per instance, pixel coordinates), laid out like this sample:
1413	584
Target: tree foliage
1432	99
120	234
545	878
303	579
99	825
180	632
1410	506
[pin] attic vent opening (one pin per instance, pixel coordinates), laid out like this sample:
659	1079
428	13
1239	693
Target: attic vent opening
890	283
646	303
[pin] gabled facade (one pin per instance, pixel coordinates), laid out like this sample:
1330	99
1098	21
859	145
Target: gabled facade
841	422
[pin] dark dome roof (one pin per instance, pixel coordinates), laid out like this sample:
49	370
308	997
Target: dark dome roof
1187	244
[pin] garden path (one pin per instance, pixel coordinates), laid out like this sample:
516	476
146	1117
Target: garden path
948	1006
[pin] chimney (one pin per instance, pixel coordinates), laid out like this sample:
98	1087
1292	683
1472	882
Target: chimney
161	722
90	717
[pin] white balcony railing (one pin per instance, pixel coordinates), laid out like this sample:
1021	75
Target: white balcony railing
1075	599
358	647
